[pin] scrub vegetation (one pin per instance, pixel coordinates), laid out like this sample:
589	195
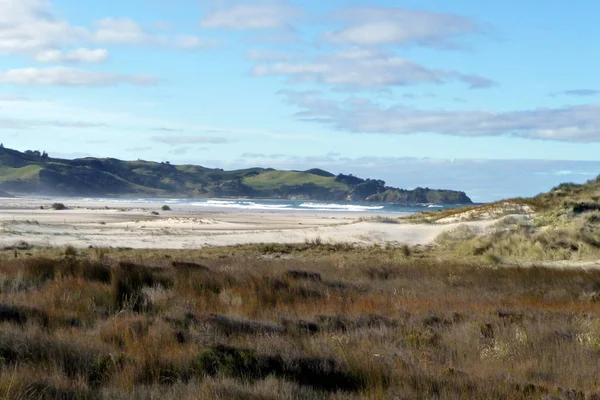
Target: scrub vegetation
309	321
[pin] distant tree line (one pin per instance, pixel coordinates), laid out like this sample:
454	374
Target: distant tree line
36	153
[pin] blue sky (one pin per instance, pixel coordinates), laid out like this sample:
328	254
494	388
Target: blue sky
499	99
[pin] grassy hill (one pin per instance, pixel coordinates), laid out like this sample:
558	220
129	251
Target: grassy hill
562	225
37	173
271	180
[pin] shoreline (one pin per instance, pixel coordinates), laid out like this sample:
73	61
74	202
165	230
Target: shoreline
132	225
151	199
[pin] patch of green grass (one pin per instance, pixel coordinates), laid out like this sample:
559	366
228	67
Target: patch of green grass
274	179
25	173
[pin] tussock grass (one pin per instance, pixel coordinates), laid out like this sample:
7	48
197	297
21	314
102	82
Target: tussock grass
366	323
380	219
72	359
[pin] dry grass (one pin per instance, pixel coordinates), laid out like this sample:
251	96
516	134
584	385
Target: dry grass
314	321
380	219
515	240
559	204
473	213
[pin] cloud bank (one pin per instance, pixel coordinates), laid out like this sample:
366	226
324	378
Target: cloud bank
361	115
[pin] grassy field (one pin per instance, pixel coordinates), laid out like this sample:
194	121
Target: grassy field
274	179
309	321
24	173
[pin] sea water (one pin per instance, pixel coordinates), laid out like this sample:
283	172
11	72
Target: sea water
278	205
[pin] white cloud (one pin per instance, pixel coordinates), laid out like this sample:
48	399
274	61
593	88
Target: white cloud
574	123
34	27
360	68
120	31
81	55
64	76
125	31
243	16
31	25
373	26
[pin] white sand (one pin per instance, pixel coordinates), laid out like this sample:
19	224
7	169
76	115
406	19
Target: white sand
129	225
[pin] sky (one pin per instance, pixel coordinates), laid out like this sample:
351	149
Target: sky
499	99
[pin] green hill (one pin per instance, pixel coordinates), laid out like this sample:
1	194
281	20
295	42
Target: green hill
32	172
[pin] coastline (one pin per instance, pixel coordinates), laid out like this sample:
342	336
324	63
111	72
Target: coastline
104	223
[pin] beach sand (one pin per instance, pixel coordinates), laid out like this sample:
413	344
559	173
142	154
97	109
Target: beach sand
118	224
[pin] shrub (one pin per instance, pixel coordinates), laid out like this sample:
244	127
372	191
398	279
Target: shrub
70	252
303	275
319	373
127	282
58	206
405	250
166	208
21	315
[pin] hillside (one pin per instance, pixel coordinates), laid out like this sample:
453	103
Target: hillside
560	226
33	172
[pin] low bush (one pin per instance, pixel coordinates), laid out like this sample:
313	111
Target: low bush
58	206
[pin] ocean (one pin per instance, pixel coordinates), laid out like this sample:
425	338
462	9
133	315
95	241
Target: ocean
277	205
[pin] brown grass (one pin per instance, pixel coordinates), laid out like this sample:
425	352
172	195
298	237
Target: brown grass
313	323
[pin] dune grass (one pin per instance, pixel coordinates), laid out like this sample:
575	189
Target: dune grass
562	202
473	213
518	240
307	321
380	219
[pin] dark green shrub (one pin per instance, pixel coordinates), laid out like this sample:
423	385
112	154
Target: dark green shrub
127	282
319	373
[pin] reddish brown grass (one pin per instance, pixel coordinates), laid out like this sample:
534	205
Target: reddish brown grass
319	323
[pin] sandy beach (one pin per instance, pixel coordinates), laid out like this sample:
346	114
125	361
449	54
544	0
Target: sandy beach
104	223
